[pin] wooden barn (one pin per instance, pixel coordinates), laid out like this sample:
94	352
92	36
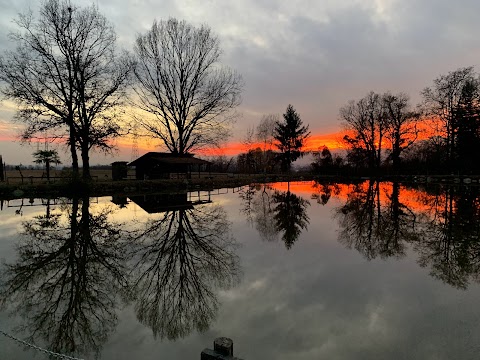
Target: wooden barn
159	165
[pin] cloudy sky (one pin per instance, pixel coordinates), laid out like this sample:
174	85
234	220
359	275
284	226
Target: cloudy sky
315	55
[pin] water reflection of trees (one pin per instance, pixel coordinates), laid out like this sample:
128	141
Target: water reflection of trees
443	227
72	266
323	191
69	269
376	226
181	259
450	240
275	213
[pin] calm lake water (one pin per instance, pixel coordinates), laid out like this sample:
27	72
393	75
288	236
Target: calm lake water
288	271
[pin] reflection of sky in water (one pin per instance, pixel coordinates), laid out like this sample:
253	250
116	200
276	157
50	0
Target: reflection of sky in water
318	300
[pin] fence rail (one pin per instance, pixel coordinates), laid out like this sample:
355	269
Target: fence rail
37	179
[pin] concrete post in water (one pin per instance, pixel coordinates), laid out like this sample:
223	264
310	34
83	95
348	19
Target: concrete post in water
223	346
222	350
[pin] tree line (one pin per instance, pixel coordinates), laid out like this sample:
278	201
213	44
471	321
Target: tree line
274	144
72	84
386	134
439	135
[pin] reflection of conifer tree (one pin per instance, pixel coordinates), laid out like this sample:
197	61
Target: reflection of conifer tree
181	259
290	216
450	241
275	213
374	228
66	278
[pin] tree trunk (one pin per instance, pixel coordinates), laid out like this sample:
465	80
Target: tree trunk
47	168
85	163
73	153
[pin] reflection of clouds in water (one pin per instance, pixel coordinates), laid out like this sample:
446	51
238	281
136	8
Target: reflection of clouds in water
319	321
340	306
321	301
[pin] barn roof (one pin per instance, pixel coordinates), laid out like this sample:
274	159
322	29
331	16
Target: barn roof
167	158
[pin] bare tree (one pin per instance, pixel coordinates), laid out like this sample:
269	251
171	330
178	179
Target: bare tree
189	96
67	77
364	119
401	125
248	140
265	133
266	130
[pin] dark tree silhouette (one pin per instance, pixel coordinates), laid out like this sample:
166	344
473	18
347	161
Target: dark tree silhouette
181	260
365	123
67	77
188	96
290	135
400	125
467	125
323	161
67	278
46	157
444	99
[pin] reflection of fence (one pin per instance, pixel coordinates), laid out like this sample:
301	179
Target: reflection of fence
203	175
201	196
20	203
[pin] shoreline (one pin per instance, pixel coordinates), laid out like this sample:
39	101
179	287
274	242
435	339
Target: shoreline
109	187
121	187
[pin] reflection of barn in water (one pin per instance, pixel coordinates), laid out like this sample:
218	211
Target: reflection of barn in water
158	165
157	203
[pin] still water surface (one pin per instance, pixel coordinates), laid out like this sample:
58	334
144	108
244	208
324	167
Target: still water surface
288	271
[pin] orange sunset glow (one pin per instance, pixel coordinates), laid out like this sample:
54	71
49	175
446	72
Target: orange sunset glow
411	198
332	141
315	142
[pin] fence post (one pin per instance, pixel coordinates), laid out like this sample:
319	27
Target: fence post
222	350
